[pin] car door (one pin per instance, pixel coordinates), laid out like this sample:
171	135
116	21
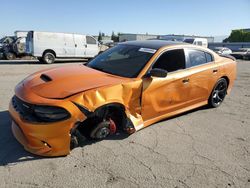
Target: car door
92	48
80	45
203	74
165	95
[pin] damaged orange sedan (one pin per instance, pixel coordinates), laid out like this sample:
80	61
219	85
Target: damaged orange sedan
126	88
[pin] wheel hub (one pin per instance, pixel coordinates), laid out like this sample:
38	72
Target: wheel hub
102	133
49	58
103	129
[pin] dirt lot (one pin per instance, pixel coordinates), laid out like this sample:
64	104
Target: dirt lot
202	148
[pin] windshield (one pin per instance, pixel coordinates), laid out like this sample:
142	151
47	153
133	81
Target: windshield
122	60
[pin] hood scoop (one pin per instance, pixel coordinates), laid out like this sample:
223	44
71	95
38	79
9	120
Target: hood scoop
64	81
45	78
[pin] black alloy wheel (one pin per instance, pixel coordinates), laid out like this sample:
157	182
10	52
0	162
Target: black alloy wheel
219	93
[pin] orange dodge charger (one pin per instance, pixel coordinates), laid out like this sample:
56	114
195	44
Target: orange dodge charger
126	88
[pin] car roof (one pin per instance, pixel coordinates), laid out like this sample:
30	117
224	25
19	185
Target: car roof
154	44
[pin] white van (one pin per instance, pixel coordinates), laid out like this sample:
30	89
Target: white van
47	46
197	41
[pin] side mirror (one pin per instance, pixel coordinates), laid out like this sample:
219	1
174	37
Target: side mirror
161	73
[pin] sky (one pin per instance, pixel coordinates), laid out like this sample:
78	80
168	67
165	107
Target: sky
193	17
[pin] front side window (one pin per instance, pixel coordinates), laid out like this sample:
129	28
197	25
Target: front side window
171	61
122	60
90	40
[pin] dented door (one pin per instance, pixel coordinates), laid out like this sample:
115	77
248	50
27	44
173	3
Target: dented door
202	80
164	95
204	73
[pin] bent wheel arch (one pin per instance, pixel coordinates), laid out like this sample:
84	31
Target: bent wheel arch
97	120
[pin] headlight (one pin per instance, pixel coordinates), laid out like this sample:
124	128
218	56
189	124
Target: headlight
50	114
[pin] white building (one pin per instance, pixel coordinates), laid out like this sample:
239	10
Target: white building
130	36
183	37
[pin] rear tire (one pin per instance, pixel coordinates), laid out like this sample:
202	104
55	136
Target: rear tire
218	94
48	58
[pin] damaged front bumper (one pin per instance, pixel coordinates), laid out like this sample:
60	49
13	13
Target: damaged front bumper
45	139
38	149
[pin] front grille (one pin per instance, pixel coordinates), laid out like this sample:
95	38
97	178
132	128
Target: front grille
27	111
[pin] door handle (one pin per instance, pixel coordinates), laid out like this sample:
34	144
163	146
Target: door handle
75	45
185	81
86	45
215	71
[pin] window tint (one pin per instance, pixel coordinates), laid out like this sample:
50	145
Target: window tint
196	57
90	40
209	57
171	60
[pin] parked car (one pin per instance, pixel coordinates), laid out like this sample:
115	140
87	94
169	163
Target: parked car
197	41
222	50
243	53
105	44
126	88
5	41
15	49
48	46
13	46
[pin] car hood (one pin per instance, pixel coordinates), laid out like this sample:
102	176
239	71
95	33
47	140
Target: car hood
61	82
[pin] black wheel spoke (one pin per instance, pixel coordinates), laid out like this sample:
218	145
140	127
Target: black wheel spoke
222	91
219	98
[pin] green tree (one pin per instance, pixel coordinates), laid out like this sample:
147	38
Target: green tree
100	36
114	37
238	35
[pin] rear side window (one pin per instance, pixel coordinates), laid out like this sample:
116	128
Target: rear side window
198	57
90	40
171	61
209	57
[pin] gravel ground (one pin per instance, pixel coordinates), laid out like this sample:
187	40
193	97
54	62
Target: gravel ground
202	148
